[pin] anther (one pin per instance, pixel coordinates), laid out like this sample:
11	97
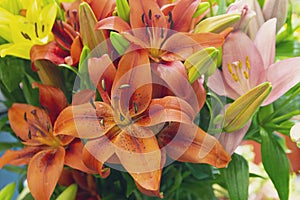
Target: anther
171	24
157	16
33	112
48	126
143	18
240	64
162	34
135	107
25	116
102	122
170	17
248	63
124	86
92	103
150	14
29	135
36	30
74	12
246	75
103	85
235	77
122	117
229	68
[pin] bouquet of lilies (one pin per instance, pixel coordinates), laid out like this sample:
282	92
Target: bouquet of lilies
146	99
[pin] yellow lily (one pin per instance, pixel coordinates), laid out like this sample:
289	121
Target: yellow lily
24	32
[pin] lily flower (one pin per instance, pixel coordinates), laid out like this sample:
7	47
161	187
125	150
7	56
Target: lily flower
122	128
44	152
27	31
249	63
165	37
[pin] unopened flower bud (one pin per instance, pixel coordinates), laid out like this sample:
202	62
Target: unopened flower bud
202	7
123	9
242	109
119	42
217	23
201	62
276	9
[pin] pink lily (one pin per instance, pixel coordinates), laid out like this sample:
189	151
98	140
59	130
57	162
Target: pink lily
248	63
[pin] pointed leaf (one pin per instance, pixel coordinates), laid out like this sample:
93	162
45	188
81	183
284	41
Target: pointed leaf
7	192
276	163
69	193
236	177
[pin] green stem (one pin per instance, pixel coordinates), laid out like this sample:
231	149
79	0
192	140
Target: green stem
286	116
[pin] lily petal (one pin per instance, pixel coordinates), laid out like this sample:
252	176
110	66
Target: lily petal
102	73
21	50
235	51
74	157
230	141
174	77
265	42
52	99
132	87
140	156
189	143
167	109
102	9
183	13
20	157
44	170
20	117
283	75
85	121
113	23
217	83
149	9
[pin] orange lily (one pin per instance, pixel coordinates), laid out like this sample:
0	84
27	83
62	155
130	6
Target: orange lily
44	153
122	128
165	37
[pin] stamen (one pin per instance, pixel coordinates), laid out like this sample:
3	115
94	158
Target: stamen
29	135
143	18
150	14
157	16
170	17
102	122
74	12
74	26
92	103
25	116
36	30
246	75
229	68
103	85
124	86
135	107
171	24
33	112
240	64
121	117
162	33
235	77
248	63
48	126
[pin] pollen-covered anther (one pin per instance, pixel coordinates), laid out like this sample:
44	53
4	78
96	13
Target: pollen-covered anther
239	70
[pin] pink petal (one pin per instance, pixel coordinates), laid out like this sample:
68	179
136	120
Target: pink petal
283	75
217	83
238	47
265	42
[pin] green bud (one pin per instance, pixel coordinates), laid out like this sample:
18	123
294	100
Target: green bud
69	193
119	42
242	109
123	9
90	37
202	7
201	62
217	23
8	191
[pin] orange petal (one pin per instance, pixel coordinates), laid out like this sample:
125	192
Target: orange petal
132	88
20	157
83	96
74	157
102	73
102	9
52	99
90	120
140	156
44	170
183	14
94	164
75	51
23	119
151	12
113	23
189	143
167	109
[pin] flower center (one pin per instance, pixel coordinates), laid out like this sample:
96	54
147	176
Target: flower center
240	72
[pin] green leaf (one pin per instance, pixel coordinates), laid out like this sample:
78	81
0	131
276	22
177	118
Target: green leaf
236	177
11	72
275	163
8	191
31	95
288	49
8	145
130	185
69	193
